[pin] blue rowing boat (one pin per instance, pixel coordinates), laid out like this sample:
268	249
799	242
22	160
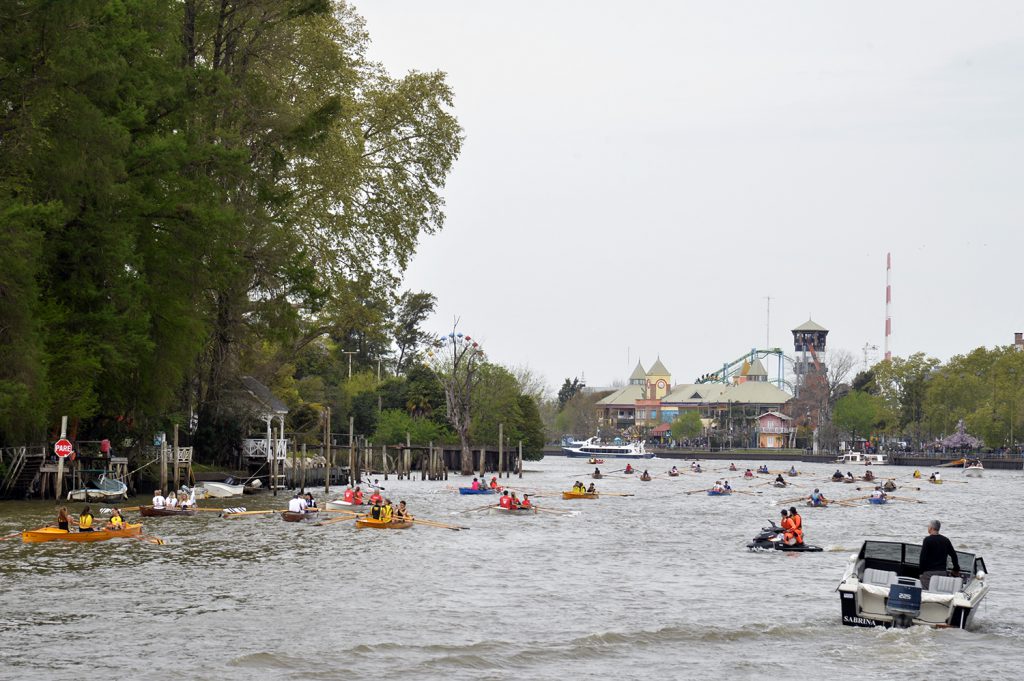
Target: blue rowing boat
470	490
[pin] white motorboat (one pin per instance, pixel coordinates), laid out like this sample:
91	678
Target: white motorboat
219	490
881	588
342	505
864	459
973	468
592	448
104	489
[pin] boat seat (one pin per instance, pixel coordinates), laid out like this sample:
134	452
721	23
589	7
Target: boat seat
879	577
942	584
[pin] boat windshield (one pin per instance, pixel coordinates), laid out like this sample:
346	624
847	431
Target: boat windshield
904	559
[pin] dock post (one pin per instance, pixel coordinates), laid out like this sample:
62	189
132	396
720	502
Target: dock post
501	447
303	490
519	463
60	459
327	443
163	464
177	477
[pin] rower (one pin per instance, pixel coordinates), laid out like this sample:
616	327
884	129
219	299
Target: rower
402	513
190	497
376	498
529	504
889	486
792	470
645	476
170	501
494	482
748	474
763	468
780	479
697	469
297	504
376	510
158	499
917	474
592	489
798	525
117	520
725	486
515	500
838	475
350	495
310	501
717	486
869	476
357	496
817	498
386	512
629	468
476	485
506	502
674	470
878	493
937	477
732	466
63	522
597	471
85	520
849	476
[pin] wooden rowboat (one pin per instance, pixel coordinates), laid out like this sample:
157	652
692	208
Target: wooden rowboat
514	511
596	476
151	512
579	495
381	525
293	517
676	474
53	534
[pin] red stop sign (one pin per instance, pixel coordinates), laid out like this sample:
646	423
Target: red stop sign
63	448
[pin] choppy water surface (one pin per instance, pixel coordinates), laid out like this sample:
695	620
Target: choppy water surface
653	586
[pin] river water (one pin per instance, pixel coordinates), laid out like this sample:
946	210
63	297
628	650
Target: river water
656	586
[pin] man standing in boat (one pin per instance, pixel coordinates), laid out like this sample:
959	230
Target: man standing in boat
934	550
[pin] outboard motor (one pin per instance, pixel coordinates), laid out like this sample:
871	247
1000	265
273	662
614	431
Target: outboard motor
904	602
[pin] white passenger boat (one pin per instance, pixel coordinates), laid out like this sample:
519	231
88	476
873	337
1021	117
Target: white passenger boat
219	490
881	588
104	489
973	468
864	459
592	448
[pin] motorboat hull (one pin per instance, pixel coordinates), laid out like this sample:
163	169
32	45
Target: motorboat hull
108	490
960	617
222	490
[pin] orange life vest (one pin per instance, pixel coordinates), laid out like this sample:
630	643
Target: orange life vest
798	527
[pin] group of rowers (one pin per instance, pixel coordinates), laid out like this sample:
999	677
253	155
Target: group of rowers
182	499
579	488
509	501
721	487
849	477
302	504
85	520
480	484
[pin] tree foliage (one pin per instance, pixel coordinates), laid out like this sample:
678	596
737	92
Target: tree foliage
856	413
687	425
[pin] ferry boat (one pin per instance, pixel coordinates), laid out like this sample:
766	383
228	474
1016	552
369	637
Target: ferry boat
592	448
881	588
864	459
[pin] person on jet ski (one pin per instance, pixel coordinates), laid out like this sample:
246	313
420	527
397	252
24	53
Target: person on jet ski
798	525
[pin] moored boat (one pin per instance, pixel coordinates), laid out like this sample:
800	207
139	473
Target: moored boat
882	588
579	495
54	534
221	490
298	516
104	489
152	512
381	525
482	490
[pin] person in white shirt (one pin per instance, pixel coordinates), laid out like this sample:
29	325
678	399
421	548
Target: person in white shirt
158	499
297	504
170	501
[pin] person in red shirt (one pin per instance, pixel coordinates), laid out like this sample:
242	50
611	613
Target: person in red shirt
350	495
494	483
475	485
358	495
376	498
526	502
505	501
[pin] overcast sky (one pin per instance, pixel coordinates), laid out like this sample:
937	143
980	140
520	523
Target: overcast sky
638	176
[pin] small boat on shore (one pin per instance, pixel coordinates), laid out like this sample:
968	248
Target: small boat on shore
370	523
104	489
579	495
220	490
152	512
482	490
298	517
882	588
54	534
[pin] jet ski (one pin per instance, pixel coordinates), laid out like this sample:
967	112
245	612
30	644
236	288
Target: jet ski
770	539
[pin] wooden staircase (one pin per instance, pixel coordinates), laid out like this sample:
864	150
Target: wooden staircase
23	467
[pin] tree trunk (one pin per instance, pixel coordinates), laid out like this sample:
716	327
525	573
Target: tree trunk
467	457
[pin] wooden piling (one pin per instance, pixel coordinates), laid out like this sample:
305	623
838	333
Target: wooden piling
163	463
303	489
327	443
177	478
519	462
352	472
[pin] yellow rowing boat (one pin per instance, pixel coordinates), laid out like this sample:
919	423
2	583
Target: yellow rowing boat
381	525
579	495
55	534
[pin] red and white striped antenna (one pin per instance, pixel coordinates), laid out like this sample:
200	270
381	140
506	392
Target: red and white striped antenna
888	306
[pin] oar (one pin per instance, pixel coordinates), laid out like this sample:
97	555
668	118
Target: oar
334	520
740	491
341	510
614	494
481	508
434	523
242	513
552	510
791	501
11	536
694	491
916	501
151	539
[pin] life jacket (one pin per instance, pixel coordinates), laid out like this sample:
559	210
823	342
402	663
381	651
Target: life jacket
505	502
350	495
494	483
85	521
386	514
375	512
116	521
